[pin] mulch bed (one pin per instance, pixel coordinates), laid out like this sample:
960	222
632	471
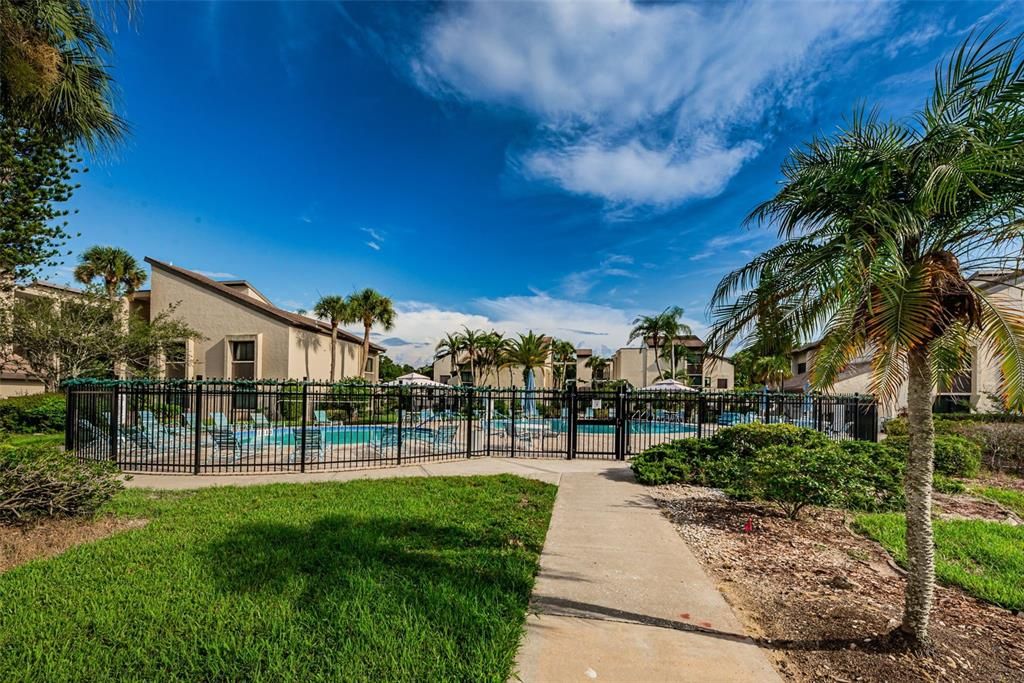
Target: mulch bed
821	599
49	537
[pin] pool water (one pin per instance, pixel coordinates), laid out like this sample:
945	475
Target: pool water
561	425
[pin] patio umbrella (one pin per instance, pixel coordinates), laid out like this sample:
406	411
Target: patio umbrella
415	379
529	401
668	385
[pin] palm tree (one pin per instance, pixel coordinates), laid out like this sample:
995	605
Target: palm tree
671	328
772	371
663	326
529	351
370	308
333	309
55	71
597	365
450	346
879	224
473	344
563	353
116	267
492	348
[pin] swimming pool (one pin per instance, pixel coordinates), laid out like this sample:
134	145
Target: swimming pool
335	435
561	425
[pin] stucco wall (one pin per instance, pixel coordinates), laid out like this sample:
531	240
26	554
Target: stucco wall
217	318
13	387
310	356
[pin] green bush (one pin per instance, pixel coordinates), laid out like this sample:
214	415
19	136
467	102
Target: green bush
881	467
744	441
943	484
678	462
38	481
897	426
794	477
33	414
955	456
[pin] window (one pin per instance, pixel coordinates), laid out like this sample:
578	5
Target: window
801	368
175	360
243	360
723	383
955	396
369	364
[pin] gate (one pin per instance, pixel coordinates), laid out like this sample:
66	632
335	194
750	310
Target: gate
597	424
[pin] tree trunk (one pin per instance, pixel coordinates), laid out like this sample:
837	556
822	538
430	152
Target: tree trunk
366	349
657	358
919	539
334	350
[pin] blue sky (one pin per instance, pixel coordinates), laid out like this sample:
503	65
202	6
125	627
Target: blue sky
556	167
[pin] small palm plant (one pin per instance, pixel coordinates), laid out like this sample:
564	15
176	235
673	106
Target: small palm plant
369	308
879	224
473	342
563	354
116	268
333	309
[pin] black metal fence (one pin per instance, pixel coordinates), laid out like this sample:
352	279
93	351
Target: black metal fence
246	427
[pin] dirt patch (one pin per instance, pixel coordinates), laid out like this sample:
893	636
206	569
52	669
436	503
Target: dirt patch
971	507
820	599
50	537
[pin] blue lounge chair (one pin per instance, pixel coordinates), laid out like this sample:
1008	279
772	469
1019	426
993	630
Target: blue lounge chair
320	419
226	444
313	439
260	420
444	436
219	421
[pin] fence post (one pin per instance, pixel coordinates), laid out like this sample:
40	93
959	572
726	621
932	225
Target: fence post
700	413
469	424
620	424
69	419
856	416
302	431
571	423
398	446
115	407
512	422
197	438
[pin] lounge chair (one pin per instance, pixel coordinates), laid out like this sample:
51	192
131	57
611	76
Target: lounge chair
320	419
314	442
260	420
226	443
219	421
388	438
160	436
444	436
91	439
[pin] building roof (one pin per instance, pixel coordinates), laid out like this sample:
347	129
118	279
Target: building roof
45	284
584	352
287	317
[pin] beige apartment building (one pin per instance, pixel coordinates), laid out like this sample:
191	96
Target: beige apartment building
974	389
634	364
243	335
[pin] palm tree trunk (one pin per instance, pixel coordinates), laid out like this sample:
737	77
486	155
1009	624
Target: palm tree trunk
657	358
334	351
919	539
366	349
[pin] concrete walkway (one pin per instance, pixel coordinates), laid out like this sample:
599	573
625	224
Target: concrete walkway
619	597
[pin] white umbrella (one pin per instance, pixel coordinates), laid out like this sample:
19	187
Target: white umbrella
668	385
415	379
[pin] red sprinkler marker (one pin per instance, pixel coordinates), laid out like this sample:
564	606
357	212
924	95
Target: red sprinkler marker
749	526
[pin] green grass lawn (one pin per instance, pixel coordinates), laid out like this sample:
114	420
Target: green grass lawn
17	440
986	559
412	579
1009	498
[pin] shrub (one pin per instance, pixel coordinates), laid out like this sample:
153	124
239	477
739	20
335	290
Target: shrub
954	455
678	462
880	467
897	426
32	414
943	484
38	481
797	476
744	441
1003	447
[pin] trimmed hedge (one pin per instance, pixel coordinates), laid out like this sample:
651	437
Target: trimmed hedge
33	414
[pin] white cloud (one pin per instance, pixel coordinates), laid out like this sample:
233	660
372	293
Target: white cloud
590	325
914	39
717	244
635	104
374	235
373	245
632	173
581	282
